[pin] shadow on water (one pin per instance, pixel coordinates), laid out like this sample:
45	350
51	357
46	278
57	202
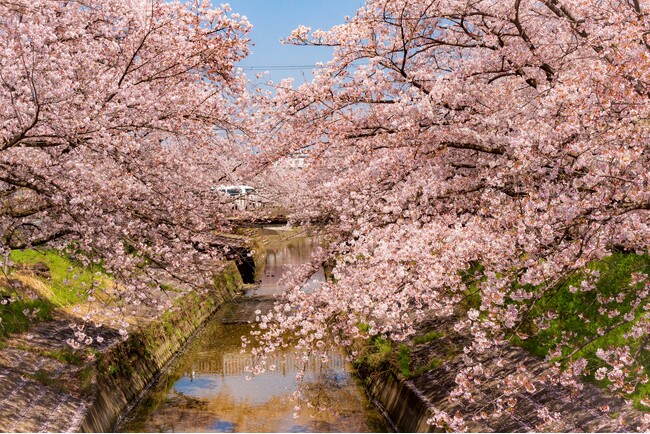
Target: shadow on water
206	389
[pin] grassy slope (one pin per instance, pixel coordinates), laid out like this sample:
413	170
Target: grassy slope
69	284
579	314
615	273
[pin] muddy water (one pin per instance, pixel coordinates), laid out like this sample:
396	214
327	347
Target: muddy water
206	388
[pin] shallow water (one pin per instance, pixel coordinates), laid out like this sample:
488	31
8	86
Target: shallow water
282	252
206	388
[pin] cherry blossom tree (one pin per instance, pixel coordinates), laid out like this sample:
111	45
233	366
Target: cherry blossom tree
465	149
116	118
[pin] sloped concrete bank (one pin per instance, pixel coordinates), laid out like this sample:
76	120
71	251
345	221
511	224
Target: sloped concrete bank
402	404
409	400
128	368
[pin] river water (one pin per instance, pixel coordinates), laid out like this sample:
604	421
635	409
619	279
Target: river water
206	389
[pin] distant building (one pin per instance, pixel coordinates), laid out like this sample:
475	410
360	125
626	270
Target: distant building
298	160
241	197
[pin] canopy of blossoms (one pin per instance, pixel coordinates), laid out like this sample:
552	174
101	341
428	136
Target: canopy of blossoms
114	118
472	149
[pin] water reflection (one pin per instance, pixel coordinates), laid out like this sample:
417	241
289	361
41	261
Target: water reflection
206	388
200	393
284	250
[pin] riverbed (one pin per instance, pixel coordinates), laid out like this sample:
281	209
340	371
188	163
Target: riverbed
207	389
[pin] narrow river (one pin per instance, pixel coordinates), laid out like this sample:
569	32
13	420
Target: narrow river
206	389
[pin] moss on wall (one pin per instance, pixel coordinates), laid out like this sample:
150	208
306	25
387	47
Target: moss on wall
129	368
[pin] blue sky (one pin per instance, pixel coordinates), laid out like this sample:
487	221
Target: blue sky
275	19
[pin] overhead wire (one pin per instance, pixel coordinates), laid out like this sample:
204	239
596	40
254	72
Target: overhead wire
275	67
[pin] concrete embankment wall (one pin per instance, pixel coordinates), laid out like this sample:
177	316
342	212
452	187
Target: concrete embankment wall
408	401
402	403
127	369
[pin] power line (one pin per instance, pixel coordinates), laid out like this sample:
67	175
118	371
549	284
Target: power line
275	67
